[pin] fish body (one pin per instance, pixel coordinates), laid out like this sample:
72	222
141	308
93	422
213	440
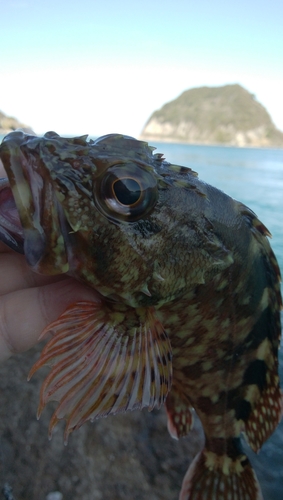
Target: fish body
190	304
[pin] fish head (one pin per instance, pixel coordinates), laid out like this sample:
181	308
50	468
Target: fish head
112	214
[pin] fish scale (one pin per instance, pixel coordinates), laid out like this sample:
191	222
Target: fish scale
189	310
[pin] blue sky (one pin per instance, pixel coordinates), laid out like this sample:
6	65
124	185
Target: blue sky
103	66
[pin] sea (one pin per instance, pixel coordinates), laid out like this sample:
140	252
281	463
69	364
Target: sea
254	177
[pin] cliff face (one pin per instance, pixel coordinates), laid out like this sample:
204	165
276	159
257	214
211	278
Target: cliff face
8	124
214	115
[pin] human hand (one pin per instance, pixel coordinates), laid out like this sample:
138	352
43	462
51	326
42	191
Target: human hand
29	301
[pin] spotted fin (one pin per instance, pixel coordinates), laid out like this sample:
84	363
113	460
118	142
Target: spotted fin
104	359
266	415
212	476
179	415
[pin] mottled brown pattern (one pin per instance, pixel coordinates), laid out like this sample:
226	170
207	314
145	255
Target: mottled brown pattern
188	284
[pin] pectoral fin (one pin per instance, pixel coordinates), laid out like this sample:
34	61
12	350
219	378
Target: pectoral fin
104	360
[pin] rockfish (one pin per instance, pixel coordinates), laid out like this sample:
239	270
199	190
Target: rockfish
189	310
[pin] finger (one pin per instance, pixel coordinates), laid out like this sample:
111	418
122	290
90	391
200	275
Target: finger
17	275
24	314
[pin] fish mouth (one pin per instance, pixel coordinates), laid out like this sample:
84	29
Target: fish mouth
11	231
31	218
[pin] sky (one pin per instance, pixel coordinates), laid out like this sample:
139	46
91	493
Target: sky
98	67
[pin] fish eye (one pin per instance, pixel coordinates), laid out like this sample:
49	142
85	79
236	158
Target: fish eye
126	192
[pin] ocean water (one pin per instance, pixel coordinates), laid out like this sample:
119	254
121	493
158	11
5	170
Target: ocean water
254	177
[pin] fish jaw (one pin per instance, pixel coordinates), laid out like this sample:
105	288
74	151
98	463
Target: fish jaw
39	212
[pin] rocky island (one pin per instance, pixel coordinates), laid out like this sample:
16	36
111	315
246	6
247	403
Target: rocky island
8	124
227	115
